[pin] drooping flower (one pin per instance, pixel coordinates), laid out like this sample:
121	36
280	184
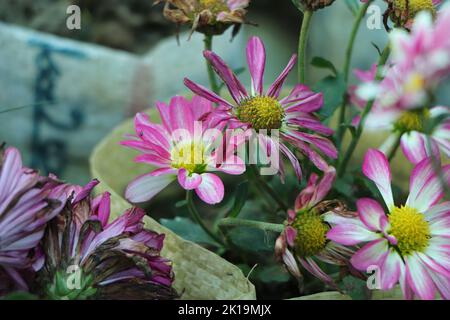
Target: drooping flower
27	203
403	12
410	124
293	116
211	17
312	5
409	245
88	257
304	238
184	147
420	60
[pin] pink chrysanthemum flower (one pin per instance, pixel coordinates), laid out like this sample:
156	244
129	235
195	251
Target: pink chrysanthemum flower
304	238
409	123
419	62
182	147
410	243
86	256
27	203
293	115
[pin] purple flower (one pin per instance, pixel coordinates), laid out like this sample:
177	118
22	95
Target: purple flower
89	257
27	203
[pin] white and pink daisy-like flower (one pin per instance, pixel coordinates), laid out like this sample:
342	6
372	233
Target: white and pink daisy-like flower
304	238
183	147
410	124
420	60
293	116
410	244
27	202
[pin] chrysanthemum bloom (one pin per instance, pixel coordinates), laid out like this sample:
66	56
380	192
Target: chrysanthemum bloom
182	147
293	116
26	205
410	244
410	124
313	5
211	17
419	62
304	238
88	257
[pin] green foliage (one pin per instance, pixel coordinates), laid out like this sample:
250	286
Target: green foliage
252	240
239	199
188	230
20	295
323	63
333	89
355	288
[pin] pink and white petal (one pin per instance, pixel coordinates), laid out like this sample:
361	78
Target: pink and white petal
189	181
440	227
237	90
376	168
205	93
302	99
404	285
391	270
200	107
293	159
414	147
371	214
291	234
372	254
181	116
309	264
438	211
291	264
439	250
432	265
164	115
442	284
211	190
425	188
351	234
324	186
145	187
323	144
233	165
275	89
256	59
418	277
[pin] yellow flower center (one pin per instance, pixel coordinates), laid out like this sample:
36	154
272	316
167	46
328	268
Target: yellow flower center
311	233
414	6
190	156
215	6
414	84
412	120
410	229
261	113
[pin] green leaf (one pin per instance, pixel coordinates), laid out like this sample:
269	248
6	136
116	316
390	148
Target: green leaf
20	295
298	4
271	274
323	63
187	229
333	89
253	240
240	199
181	204
355	288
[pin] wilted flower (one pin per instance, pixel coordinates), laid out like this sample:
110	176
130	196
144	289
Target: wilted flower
410	244
293	116
211	17
420	61
410	124
183	147
312	5
403	12
27	203
304	238
88	257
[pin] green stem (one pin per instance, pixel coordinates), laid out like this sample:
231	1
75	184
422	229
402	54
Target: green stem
232	222
267	188
196	216
302	41
395	147
211	74
347	64
353	144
